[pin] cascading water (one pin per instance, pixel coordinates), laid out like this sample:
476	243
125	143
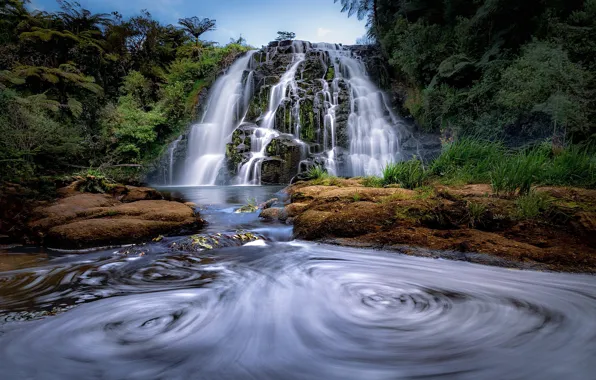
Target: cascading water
250	172
227	105
372	126
322	110
171	152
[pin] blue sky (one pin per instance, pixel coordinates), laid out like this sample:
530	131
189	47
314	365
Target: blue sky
257	20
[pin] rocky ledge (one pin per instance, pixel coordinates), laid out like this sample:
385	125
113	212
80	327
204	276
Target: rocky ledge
467	223
124	215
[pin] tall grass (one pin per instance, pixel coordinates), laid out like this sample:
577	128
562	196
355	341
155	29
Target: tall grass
468	159
517	173
409	174
575	166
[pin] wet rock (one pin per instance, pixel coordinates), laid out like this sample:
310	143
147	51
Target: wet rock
268	204
272	214
198	243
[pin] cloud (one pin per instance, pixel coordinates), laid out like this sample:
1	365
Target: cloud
322	32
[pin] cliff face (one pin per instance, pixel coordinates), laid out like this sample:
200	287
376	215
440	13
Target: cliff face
305	94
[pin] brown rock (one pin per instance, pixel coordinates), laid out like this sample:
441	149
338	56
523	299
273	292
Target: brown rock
90	220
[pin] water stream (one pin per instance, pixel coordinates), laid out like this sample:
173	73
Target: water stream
285	309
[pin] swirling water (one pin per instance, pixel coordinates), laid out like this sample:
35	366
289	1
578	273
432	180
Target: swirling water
290	310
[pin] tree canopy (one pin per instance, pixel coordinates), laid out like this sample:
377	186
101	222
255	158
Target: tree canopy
84	89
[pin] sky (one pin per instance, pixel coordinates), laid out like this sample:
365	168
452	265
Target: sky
257	20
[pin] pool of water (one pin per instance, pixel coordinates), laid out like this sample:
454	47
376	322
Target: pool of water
286	309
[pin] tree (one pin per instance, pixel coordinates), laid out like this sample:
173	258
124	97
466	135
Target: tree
285	36
196	27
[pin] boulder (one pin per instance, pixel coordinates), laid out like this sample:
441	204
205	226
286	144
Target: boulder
94	220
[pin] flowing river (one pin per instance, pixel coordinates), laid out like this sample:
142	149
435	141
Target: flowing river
286	309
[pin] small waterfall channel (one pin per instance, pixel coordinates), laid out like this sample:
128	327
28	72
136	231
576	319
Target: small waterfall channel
373	130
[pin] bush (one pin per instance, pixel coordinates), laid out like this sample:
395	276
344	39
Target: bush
408	174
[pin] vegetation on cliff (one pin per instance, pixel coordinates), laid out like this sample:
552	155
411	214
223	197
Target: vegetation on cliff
518	71
80	90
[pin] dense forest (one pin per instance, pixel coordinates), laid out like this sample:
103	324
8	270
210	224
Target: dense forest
503	69
84	90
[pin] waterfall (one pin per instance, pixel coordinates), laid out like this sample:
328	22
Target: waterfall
374	140
225	110
250	172
350	127
172	151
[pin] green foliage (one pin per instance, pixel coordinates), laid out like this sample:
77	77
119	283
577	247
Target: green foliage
489	68
356	197
408	174
575	165
532	205
373	182
469	159
517	174
317	172
475	213
85	89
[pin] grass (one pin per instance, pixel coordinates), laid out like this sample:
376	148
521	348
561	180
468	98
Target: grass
532	205
356	197
377	182
475	212
317	172
408	174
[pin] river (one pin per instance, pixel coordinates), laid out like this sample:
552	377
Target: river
286	309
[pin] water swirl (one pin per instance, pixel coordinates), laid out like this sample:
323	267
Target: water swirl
306	311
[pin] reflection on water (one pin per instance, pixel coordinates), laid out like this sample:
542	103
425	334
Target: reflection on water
293	310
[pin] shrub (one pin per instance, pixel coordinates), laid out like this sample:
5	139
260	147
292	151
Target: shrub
408	174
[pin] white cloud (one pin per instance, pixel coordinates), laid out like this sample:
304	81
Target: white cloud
322	32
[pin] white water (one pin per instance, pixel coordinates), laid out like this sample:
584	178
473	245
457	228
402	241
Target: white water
250	172
228	102
172	150
372	126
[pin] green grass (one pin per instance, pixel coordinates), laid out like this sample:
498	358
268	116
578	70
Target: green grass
377	182
517	173
408	174
532	205
317	172
475	213
467	161
356	197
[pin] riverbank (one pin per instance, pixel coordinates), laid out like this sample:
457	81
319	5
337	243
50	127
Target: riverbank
553	228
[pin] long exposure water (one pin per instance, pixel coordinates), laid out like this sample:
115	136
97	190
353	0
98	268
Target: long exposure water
286	309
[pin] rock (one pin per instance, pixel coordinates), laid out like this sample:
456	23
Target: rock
268	204
198	243
93	220
274	214
247	209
